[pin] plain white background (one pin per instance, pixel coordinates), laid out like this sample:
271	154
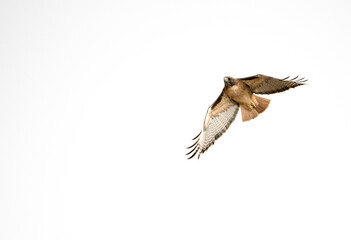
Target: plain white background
99	99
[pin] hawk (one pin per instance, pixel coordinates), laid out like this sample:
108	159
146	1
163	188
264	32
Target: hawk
238	93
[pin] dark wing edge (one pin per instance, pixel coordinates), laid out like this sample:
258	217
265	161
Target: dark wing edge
270	85
215	129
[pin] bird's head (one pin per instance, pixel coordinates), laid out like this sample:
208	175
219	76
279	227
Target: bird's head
229	81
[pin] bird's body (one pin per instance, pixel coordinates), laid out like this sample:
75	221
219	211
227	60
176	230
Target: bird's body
238	93
241	94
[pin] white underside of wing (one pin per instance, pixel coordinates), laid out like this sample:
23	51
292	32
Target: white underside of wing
214	127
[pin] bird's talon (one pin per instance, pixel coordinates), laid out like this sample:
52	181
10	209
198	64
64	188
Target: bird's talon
251	106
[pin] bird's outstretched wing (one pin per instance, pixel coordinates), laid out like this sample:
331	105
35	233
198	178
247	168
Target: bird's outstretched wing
262	84
218	118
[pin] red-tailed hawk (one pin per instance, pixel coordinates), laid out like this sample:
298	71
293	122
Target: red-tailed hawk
238	93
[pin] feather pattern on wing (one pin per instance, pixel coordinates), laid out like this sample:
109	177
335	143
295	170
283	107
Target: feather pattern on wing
262	84
218	118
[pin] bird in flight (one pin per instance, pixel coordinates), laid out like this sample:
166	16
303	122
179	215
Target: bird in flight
238	93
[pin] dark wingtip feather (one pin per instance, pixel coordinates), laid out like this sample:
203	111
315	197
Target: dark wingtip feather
294	78
303	80
191	150
196	136
193	154
193	144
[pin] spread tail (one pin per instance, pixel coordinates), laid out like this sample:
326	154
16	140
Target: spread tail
261	106
248	114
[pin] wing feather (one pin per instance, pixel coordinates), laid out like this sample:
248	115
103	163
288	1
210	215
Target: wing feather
262	84
218	118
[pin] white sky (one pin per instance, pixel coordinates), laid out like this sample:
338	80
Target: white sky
99	100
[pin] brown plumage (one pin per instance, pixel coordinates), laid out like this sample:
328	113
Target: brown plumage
238	93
